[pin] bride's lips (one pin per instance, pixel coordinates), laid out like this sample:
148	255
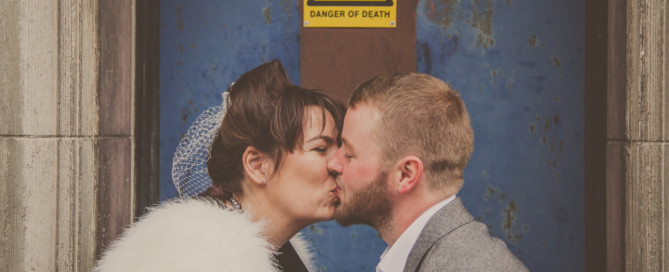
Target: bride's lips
335	193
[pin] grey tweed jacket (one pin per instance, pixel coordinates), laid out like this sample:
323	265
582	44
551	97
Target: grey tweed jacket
453	241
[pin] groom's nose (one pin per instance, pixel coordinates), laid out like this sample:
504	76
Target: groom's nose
334	164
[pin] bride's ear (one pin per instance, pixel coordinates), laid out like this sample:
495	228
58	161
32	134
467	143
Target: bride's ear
256	165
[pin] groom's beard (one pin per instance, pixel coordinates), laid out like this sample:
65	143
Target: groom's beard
369	206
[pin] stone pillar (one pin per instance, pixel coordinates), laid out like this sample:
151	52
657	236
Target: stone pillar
638	135
65	131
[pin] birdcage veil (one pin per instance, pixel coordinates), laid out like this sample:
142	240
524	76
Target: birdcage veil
189	165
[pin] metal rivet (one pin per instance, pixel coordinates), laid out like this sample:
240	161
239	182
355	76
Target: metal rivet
306	23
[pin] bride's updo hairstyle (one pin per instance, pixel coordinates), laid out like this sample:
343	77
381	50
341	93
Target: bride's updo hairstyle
266	111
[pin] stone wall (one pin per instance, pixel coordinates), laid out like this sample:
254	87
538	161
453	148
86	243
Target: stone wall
65	131
638	136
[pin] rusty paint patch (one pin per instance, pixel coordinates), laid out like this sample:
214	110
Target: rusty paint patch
556	99
179	63
184	115
513	234
556	61
556	119
510	217
532	41
490	192
268	15
313	229
180	20
441	12
181	48
547	125
532	128
508	2
287	6
482	20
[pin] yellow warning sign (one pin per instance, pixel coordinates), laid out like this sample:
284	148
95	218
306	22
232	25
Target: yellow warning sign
342	13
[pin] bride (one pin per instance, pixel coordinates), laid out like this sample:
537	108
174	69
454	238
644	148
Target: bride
267	164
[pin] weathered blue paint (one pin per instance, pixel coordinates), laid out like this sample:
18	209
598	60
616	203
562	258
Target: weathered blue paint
519	67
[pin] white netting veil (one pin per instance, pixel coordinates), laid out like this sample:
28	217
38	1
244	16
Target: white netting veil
189	165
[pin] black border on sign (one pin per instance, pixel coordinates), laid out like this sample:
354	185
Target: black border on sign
387	3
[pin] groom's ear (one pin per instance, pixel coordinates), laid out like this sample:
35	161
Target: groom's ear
409	170
256	165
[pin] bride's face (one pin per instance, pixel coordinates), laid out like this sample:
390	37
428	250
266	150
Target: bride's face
302	187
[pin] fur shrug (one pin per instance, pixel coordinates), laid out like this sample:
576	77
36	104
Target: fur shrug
195	235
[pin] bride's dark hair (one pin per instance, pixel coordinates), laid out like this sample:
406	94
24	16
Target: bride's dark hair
265	111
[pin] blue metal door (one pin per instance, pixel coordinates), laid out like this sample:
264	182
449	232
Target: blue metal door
519	66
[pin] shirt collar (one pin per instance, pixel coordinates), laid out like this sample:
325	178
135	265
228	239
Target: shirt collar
395	257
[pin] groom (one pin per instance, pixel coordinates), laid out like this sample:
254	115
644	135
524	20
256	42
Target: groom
405	143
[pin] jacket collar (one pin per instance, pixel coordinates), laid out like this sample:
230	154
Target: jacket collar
442	223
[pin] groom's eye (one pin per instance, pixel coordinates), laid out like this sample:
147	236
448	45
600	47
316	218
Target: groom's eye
320	149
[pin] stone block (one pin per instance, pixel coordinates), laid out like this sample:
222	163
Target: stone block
645	206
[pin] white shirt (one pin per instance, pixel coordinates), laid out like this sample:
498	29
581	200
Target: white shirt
395	257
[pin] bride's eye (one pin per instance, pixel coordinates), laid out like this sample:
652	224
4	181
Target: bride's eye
321	149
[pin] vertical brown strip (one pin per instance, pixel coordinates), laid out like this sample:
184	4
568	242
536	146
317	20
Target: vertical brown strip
337	60
617	154
596	252
147	108
114	82
114	203
114	147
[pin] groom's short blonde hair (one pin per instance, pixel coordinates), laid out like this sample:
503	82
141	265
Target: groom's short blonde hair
421	115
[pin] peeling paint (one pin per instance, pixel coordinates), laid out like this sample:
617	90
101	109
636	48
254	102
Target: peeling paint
482	20
532	41
510	217
268	16
180	20
441	12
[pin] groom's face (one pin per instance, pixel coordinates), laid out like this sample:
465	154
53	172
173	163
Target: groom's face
359	168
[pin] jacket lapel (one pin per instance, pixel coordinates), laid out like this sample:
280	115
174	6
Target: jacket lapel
447	219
